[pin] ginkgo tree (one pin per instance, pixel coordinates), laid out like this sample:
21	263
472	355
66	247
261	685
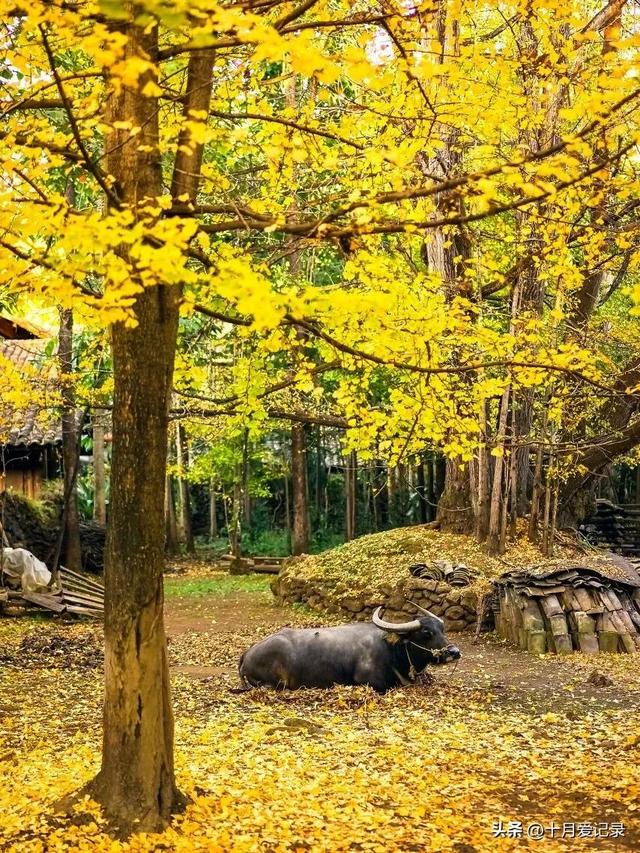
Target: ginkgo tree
411	127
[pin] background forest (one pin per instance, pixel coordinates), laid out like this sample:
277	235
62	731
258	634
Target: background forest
315	268
421	225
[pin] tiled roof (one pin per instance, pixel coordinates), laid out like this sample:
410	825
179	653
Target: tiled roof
14	328
35	424
610	567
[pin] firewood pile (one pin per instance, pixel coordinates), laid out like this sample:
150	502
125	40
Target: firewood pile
251	565
72	593
614	527
572	609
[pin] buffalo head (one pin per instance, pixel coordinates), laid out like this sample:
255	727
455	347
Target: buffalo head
425	635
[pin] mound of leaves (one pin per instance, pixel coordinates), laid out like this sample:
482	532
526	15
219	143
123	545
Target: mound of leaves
504	737
60	650
370	563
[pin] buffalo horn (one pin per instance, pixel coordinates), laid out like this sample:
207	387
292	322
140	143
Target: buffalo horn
425	611
398	627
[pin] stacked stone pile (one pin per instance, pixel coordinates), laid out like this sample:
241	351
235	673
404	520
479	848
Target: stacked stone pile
457	605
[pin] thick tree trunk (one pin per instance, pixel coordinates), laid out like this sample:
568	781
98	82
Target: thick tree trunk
576	498
455	507
136	783
71	547
300	531
247	508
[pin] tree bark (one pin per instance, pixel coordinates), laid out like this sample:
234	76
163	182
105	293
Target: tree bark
287	510
431	493
576	497
484	477
317	490
213	509
136	783
351	494
99	472
172	544
71	549
421	488
235	533
494	539
445	254
455	509
586	299
186	526
375	499
392	497
300	531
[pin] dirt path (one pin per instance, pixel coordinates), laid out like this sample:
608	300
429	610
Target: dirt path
208	634
503	735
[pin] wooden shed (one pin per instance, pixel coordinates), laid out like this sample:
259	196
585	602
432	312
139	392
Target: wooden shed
575	608
31	434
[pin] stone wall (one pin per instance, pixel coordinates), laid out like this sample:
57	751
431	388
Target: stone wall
456	605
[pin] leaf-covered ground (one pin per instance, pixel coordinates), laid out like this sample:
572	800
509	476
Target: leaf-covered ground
368	563
504	736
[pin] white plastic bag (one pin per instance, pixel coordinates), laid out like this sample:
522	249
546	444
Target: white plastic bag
20	563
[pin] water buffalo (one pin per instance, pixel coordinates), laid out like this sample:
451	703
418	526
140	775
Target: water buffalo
381	654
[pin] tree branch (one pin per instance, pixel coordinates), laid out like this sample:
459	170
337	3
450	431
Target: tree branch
91	166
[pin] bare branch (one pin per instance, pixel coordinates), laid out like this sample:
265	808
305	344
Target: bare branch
605	17
294	14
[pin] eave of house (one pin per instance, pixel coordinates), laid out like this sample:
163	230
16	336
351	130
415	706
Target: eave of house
34	424
16	329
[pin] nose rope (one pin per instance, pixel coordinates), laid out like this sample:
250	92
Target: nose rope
434	652
412	670
437	653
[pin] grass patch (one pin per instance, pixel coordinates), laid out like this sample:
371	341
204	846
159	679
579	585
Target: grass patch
219	584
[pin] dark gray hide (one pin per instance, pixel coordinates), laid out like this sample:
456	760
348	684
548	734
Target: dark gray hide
358	653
